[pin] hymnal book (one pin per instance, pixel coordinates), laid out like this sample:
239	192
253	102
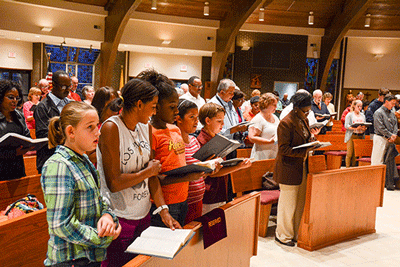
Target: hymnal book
326	115
17	140
315	144
219	145
231	162
247	123
355	125
319	124
161	242
33	108
182	171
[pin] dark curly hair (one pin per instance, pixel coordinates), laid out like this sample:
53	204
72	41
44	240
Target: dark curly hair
165	86
301	99
135	90
7	85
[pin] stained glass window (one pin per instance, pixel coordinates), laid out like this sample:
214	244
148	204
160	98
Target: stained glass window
332	77
76	61
311	74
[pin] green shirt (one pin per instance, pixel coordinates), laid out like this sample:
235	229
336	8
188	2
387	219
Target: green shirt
74	206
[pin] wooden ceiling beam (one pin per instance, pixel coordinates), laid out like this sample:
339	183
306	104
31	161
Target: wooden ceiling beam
115	23
226	34
334	33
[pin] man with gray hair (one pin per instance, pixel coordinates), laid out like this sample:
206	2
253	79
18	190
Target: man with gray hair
44	86
223	98
320	109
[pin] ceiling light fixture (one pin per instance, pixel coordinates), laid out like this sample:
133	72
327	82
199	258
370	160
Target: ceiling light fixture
311	18
46	29
261	14
206	9
154	4
367	23
166	42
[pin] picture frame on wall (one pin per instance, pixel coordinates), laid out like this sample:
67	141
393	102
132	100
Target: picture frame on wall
255	81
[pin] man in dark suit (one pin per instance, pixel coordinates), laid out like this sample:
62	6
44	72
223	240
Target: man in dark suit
48	108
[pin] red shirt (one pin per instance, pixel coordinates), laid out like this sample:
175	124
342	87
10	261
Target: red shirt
74	96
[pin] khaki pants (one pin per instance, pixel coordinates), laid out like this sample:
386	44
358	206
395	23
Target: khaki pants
378	149
350	157
290	209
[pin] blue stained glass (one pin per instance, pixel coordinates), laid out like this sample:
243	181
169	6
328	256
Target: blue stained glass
16	77
332	77
85	73
72	70
57	66
86	57
311	74
57	54
72	54
4	75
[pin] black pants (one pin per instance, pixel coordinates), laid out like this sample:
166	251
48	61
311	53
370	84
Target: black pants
82	262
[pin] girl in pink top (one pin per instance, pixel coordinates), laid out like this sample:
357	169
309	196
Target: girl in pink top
33	99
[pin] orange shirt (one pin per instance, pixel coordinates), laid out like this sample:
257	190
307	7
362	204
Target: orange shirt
170	151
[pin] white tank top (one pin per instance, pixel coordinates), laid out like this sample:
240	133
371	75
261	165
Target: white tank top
131	203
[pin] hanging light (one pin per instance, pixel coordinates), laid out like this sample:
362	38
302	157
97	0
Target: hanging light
261	14
206	9
154	4
367	23
311	18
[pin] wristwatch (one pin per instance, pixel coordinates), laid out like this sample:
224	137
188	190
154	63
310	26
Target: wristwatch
159	209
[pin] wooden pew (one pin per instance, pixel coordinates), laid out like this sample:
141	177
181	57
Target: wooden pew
251	179
33	133
363	151
341	205
23	240
243	152
316	164
236	249
30	165
335	152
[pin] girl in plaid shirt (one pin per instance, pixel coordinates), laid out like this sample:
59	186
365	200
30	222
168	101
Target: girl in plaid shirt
81	225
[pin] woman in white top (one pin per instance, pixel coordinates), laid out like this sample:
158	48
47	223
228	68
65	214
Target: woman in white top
127	172
327	98
263	133
354	116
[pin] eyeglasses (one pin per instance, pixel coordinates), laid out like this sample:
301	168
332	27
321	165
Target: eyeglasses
197	86
11	97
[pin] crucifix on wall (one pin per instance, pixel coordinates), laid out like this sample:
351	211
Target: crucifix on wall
255	81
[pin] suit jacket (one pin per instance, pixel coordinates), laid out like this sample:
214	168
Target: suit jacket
290	163
44	111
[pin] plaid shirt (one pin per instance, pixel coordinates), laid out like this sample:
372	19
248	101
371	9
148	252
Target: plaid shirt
74	206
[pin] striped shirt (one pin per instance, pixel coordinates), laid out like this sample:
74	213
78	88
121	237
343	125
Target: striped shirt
74	205
197	187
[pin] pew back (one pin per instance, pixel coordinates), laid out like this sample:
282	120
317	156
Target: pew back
362	148
30	165
243	152
251	178
316	164
337	141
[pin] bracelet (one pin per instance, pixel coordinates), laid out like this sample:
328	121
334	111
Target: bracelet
159	209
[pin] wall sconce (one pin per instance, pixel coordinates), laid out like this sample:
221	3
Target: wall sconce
378	56
367	23
311	18
206	9
315	54
63	43
91	49
154	4
261	14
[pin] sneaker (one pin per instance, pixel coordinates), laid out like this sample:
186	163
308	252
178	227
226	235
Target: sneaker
289	244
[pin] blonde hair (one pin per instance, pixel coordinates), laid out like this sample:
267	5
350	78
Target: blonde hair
209	110
34	91
71	114
354	103
327	95
266	100
255	92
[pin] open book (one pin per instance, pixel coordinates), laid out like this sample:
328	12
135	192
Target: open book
247	123
326	115
219	145
234	162
17	140
182	171
355	125
315	144
161	242
319	124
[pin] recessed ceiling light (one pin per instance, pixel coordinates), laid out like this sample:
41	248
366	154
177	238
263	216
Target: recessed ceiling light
18	38
160	48
46	29
125	46
37	36
186	54
166	42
